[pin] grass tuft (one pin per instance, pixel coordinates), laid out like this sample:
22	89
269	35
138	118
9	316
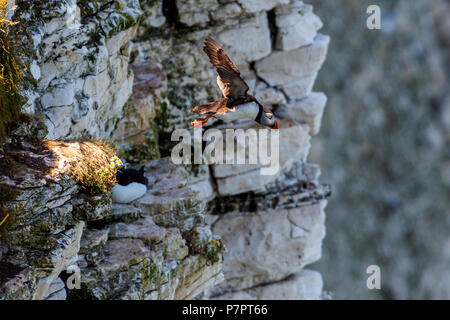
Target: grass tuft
11	75
93	168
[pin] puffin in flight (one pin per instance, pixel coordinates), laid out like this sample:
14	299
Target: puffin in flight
236	103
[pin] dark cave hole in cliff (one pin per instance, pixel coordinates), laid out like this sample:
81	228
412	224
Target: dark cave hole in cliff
170	11
271	17
8	271
252	206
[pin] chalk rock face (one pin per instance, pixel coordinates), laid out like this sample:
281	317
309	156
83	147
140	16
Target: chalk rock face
82	60
297	26
254	39
269	96
308	110
285	219
56	290
233	179
283	67
256	6
259	243
302	286
226	11
153	16
195	12
134	131
128	71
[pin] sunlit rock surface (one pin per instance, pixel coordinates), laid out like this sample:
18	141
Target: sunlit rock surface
304	285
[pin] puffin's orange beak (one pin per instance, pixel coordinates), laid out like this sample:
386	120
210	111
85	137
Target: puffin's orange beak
275	127
197	123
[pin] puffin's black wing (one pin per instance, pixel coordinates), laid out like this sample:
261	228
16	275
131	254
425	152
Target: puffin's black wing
229	79
212	108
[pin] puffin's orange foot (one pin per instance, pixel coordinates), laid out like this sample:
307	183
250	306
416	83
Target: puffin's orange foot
4	219
197	123
200	121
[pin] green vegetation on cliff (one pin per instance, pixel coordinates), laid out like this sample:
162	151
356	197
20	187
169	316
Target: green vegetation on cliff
10	75
93	168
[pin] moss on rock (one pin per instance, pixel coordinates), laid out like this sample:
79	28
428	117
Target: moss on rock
203	242
148	150
113	16
10	76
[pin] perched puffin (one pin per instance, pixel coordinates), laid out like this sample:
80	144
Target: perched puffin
236	103
131	185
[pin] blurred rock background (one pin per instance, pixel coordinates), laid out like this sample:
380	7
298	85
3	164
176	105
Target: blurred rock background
384	147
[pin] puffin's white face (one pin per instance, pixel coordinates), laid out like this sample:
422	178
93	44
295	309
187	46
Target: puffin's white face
268	120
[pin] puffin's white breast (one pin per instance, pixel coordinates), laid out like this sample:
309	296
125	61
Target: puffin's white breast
128	193
244	111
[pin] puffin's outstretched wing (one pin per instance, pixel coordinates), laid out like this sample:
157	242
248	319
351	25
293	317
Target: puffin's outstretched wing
212	108
229	79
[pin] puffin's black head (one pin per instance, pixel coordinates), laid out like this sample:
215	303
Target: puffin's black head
127	176
266	117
